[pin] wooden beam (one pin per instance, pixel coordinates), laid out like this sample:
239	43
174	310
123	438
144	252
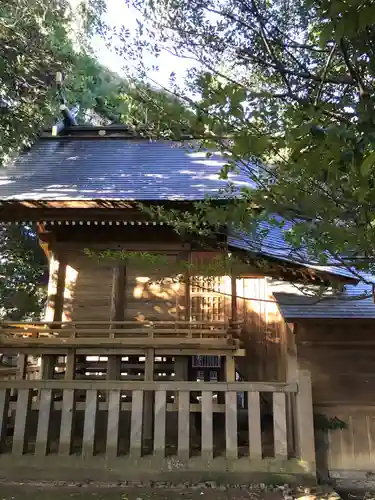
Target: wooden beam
105	385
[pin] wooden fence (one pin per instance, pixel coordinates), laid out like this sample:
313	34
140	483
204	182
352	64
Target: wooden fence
184	419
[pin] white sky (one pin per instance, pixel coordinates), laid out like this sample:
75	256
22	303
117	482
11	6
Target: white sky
118	14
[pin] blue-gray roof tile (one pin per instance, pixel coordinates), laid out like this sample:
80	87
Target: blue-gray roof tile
114	169
355	302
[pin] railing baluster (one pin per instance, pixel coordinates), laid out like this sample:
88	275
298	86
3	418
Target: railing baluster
207	426
4	412
91	407
159	423
136	424
22	410
279	425
45	405
113	423
231	425
183	425
67	419
255	436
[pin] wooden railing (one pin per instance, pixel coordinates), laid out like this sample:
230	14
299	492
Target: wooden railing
111	419
212	335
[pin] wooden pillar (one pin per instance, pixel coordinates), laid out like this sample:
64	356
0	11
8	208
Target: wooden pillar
117	314
113	367
70	366
290	353
234	312
21	366
47	366
230	369
148	410
289	368
60	288
305	422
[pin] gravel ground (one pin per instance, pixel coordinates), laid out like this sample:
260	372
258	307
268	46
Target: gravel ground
202	491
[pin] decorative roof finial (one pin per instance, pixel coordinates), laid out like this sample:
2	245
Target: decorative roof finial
68	115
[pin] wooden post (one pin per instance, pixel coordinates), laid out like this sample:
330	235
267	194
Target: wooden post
4	412
60	289
91	407
230	369
231	425
67	420
21	366
45	406
183	451
207	426
113	367
291	375
47	367
305	421
279	425
187	315
113	423
160	423
255	437
118	294
135	450
117	314
148	409
234	312
20	430
70	365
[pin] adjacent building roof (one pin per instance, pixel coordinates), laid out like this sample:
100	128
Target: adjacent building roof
350	305
268	239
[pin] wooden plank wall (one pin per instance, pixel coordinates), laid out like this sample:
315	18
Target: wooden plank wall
341	359
351	448
264	331
154	294
88	286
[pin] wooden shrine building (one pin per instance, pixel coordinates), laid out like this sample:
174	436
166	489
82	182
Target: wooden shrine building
133	373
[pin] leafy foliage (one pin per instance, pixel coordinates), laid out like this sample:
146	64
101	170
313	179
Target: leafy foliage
39	38
286	91
23	269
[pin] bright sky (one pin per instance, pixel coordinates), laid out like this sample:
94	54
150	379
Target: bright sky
119	14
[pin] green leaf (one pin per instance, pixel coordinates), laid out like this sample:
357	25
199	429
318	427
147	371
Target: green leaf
367	164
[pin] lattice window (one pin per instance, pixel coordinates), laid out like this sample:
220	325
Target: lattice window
206	361
209	297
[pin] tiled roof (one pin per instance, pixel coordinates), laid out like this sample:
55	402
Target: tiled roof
129	169
113	169
268	239
355	302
